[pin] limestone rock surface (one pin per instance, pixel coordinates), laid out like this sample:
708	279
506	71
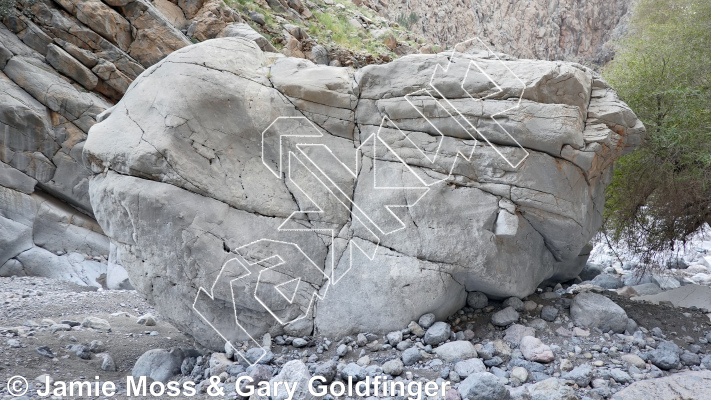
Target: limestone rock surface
691	385
212	164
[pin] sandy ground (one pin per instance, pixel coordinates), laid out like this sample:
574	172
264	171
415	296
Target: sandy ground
35	299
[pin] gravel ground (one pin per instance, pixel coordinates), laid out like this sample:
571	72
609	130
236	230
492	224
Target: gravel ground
28	303
33	309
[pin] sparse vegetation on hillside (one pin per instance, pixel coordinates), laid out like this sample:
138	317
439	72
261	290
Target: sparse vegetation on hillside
341	31
341	25
408	20
6	6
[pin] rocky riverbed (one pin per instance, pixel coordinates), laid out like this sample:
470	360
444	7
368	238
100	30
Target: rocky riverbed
563	342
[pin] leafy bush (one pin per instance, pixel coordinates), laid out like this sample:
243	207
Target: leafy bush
661	194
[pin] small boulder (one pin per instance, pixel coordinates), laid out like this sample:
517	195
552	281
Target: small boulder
516	332
354	371
666	282
505	317
59	327
427	320
647	289
219	363
108	363
590	271
515	303
394	338
458	350
393	367
437	333
549	313
147	320
608	281
689	359
477	300
96	323
665	356
620	376
483	386
327	370
80	350
534	350
411	356
293	372
633	359
582	375
257	17
44	351
159	364
468	367
258	355
416	329
519	375
590	310
551	389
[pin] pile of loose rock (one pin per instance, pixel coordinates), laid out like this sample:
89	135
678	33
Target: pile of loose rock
565	342
555	344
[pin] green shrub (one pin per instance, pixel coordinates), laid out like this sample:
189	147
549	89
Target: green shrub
661	194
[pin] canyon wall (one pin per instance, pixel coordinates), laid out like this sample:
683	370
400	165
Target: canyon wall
571	30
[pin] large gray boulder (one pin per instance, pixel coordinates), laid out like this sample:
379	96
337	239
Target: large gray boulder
213	164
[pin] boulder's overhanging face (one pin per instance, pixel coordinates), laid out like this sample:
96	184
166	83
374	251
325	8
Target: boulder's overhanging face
181	186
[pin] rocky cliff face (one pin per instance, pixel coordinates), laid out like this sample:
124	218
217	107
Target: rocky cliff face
295	197
62	63
570	30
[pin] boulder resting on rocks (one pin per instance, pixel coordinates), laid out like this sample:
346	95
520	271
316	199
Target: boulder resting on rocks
192	170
